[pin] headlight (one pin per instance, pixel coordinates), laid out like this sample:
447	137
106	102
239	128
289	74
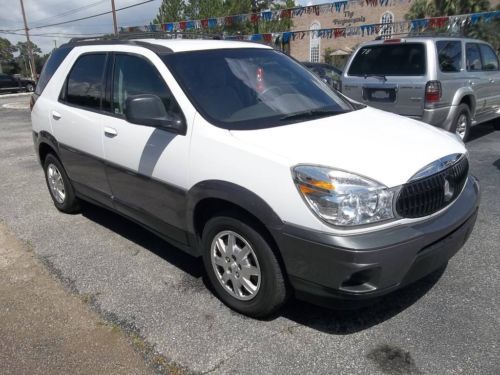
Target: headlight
342	198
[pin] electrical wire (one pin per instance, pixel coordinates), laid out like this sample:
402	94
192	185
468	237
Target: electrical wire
82	18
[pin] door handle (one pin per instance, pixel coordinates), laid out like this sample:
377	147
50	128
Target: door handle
56	115
110	132
492	80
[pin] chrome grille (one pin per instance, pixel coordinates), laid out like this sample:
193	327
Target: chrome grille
430	194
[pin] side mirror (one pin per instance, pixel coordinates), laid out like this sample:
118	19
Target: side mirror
148	110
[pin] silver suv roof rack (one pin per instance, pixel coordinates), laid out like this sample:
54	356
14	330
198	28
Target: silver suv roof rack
123	36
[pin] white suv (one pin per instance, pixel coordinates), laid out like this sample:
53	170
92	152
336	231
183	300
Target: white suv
237	153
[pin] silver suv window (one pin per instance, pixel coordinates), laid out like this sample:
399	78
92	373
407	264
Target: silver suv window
449	55
392	59
490	60
473	57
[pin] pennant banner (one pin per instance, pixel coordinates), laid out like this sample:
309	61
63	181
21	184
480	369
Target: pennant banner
451	23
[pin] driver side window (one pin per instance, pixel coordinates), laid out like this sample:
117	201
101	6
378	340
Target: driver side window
134	75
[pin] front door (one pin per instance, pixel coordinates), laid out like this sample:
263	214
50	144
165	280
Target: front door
146	166
77	124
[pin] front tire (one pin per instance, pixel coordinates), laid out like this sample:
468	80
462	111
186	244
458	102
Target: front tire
242	267
59	185
462	122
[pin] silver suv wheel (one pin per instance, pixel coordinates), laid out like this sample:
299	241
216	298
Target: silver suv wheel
461	130
56	183
236	265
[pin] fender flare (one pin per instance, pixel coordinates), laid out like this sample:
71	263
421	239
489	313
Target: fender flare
232	193
45	137
463	92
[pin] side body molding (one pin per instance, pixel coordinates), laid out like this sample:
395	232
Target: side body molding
232	193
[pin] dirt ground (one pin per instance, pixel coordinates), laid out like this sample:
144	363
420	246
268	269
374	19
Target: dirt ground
46	330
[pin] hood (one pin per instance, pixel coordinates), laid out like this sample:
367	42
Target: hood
380	145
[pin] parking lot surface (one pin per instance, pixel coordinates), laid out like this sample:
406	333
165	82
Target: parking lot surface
448	323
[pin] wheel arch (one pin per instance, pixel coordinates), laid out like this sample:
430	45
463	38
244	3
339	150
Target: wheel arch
46	144
208	198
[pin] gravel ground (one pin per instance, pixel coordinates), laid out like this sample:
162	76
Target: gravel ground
447	323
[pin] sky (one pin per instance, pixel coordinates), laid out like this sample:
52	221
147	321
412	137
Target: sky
43	12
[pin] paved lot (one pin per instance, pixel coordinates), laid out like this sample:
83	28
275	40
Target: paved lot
446	324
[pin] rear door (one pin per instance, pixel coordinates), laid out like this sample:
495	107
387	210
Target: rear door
492	75
76	121
477	80
389	76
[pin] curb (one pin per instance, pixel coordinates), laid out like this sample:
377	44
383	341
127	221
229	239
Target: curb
14	95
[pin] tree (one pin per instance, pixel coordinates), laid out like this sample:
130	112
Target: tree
177	10
437	8
170	11
23	59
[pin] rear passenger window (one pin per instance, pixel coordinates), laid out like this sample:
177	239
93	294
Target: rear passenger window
85	81
490	60
449	55
55	59
473	58
134	75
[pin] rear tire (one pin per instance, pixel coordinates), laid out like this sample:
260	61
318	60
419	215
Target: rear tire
30	87
59	185
252	284
462	122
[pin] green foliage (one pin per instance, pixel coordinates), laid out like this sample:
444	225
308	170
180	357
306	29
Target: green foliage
177	10
6	50
489	32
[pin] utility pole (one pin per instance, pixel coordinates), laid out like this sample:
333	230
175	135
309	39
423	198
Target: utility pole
30	50
114	17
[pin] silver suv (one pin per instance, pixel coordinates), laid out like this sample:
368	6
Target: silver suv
452	83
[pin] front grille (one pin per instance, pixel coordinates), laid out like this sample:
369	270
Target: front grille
427	195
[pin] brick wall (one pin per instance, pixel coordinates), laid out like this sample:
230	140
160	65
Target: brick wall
356	14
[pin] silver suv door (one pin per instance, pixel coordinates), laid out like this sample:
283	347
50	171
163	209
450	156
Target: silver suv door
492	75
476	78
389	76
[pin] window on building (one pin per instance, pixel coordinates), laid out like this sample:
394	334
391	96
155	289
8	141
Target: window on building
314	43
386	29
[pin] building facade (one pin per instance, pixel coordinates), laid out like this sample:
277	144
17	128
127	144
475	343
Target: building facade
311	47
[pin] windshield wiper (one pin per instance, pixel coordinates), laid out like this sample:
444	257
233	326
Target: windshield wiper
381	76
312	113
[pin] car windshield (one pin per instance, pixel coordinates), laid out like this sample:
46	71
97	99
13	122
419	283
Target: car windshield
401	59
251	88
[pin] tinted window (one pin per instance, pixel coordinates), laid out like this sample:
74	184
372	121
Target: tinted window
134	76
250	88
85	81
473	57
405	59
55	59
449	55
490	60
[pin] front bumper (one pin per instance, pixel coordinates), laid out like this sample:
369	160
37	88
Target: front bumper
323	266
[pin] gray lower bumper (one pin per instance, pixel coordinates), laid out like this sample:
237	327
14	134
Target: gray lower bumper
322	265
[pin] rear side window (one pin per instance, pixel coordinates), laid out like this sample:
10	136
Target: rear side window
490	59
134	75
449	55
84	86
402	59
473	57
55	59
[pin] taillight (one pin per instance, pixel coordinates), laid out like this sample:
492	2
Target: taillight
389	41
432	91
33	99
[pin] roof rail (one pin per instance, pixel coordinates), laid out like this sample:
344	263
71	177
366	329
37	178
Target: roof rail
431	34
147	35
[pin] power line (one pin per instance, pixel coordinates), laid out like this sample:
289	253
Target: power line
84	18
71	11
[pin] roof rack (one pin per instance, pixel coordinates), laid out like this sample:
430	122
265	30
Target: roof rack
124	36
430	34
